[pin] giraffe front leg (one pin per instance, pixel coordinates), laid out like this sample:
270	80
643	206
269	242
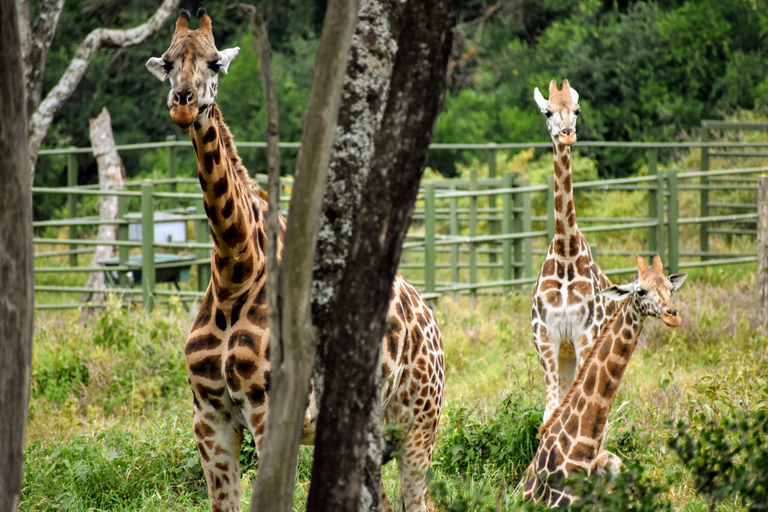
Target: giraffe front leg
547	353
218	440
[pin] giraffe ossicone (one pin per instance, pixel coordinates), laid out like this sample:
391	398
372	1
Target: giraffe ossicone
227	350
567	310
572	438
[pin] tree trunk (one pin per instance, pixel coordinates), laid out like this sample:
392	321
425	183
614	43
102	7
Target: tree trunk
292	357
16	260
364	97
41	117
415	98
111	177
761	311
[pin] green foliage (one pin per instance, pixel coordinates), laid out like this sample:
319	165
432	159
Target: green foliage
505	442
727	459
115	470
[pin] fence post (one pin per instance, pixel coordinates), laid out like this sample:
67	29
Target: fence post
704	227
454	231
653	233
660	249
518	227
527	228
122	235
672	216
72	200
201	233
761	311
473	230
172	201
147	246
550	208
493	225
429	238
506	218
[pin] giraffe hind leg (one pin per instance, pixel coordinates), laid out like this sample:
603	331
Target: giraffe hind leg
218	440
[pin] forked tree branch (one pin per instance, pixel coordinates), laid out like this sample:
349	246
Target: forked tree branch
41	119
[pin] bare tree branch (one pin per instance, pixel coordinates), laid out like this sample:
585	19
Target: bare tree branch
293	356
41	119
273	169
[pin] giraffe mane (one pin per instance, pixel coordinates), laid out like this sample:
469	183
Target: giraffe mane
229	145
607	326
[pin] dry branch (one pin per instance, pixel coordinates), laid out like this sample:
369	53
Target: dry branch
41	119
111	177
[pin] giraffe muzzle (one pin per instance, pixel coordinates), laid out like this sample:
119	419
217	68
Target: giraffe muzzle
567	136
670	317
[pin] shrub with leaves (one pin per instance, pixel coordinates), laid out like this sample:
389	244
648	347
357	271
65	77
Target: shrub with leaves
506	441
728	459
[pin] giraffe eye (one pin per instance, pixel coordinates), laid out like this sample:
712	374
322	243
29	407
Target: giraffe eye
578	112
641	293
214	66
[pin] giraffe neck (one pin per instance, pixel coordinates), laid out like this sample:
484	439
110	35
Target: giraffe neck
237	225
567	235
585	408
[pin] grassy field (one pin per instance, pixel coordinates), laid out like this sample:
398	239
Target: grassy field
110	418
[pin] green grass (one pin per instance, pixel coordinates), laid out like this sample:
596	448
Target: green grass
110	424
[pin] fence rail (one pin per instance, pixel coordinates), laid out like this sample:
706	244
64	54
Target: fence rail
468	235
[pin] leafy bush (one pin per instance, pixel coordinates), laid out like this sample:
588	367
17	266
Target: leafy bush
505	442
728	459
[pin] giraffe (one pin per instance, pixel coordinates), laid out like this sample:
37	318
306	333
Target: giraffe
567	311
227	351
571	439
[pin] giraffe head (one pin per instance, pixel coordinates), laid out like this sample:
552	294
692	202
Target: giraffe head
561	110
651	290
192	64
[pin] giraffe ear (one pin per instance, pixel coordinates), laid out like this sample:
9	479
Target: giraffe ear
617	292
574	96
540	101
226	57
677	280
155	66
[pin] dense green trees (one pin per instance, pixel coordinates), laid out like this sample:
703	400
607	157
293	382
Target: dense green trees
645	70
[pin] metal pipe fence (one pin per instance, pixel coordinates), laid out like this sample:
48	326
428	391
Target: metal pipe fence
467	236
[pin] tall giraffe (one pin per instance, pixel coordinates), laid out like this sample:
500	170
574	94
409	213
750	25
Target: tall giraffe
567	311
227	352
571	439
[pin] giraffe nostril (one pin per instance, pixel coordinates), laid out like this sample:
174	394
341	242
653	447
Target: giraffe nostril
567	131
670	311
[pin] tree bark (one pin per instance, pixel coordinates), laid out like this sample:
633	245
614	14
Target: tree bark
415	98
41	118
111	177
16	260
40	38
292	357
364	97
761	311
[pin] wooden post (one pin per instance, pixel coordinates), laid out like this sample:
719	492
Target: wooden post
72	201
653	233
147	246
493	225
660	245
518	227
761	311
527	228
454	230
704	227
672	229
429	238
506	228
122	235
172	201
550	208
473	231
